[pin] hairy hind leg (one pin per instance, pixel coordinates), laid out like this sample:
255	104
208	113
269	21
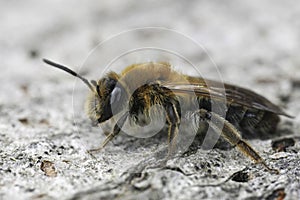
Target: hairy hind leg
232	135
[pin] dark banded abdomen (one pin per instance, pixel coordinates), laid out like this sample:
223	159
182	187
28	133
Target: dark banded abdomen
252	123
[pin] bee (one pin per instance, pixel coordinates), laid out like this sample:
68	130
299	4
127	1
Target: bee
140	86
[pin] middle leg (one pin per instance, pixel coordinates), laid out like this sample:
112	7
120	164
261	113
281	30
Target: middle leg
173	121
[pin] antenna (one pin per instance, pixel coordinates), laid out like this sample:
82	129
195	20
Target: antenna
66	69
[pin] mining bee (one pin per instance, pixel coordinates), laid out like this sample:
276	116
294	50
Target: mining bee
140	86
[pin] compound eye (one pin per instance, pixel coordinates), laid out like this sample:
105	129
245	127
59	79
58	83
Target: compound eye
115	95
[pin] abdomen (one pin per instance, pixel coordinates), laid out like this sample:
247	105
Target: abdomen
252	123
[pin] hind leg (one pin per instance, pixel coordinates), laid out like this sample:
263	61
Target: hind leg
232	135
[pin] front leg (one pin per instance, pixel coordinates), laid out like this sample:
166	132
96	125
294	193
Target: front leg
117	128
232	135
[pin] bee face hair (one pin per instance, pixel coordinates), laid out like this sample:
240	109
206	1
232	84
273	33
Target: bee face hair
104	93
107	100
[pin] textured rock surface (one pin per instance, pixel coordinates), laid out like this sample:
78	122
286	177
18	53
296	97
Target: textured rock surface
43	153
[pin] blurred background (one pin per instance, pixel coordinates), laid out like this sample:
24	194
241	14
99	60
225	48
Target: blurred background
243	38
255	44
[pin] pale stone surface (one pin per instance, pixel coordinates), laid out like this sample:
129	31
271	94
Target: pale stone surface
254	44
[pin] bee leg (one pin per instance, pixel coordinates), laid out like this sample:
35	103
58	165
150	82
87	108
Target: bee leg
117	128
173	120
232	135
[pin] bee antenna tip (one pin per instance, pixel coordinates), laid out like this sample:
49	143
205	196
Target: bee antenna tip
66	69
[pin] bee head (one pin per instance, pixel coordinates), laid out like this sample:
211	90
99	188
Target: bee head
105	98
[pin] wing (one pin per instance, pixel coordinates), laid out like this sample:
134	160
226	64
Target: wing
219	91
